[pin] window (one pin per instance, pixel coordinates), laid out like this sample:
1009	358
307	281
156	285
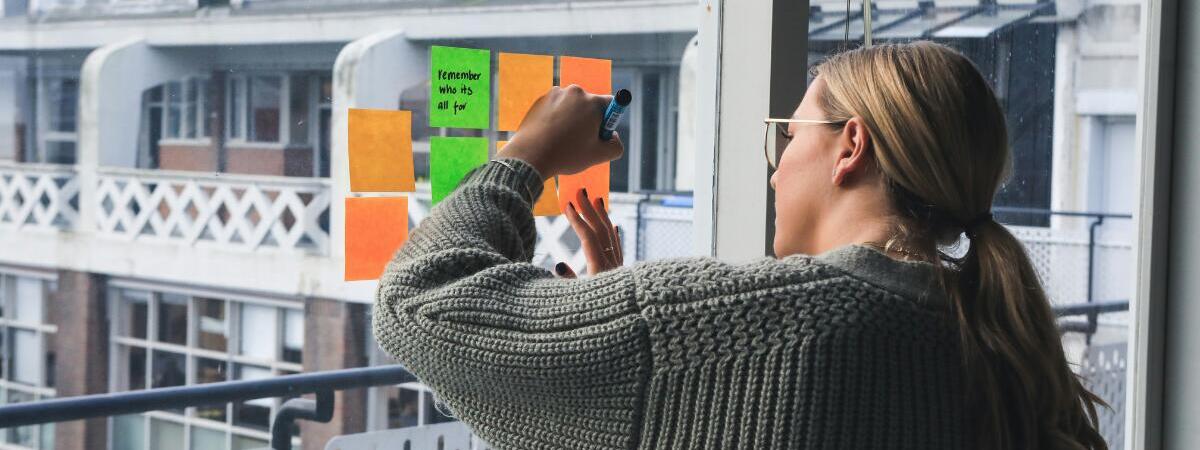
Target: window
27	347
186	108
197	338
60	97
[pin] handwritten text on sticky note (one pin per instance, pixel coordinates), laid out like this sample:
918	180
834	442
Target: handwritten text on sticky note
460	87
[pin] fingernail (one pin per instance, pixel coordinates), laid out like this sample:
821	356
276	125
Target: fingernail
571	206
602	204
584	192
560	268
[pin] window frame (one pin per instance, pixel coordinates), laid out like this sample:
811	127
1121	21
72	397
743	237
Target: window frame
43	113
200	111
243	105
43	389
191	351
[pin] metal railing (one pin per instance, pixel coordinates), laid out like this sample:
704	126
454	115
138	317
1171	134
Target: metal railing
323	384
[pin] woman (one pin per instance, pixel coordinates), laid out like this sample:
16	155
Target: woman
880	340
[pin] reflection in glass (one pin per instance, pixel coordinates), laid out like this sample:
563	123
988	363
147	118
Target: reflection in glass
135	366
265	96
134	314
168	369
206	439
293	335
259	331
26	354
165	435
211	371
403	407
248	443
23	436
253	413
212	328
129	432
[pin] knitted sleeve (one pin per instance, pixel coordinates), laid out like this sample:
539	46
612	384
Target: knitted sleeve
527	360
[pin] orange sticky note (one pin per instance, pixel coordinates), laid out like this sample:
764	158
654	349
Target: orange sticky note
523	79
595	179
381	157
594	76
375	228
547	204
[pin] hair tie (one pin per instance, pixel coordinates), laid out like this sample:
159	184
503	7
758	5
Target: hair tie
972	227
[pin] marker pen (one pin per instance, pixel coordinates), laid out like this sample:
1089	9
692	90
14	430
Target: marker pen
613	113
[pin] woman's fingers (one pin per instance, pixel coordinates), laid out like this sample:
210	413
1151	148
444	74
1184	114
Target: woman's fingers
598	221
563	270
620	254
592	243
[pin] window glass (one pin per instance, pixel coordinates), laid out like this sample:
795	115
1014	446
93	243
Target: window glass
298	102
259	331
237	105
164	434
129	433
134	314
62	98
29	300
293	341
264	113
172	319
174	101
212	328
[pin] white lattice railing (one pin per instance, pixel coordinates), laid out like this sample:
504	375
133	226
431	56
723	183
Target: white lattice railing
38	196
245	212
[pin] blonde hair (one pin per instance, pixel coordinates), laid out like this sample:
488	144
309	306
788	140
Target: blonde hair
940	141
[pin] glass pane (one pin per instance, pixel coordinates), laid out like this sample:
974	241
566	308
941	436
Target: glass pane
293	335
299	99
174	108
265	96
63	97
253	413
403	407
23	436
259	331
50	358
133	361
205	107
211	371
172	318
206	439
190	104
129	432
248	443
164	434
27	360
47	440
168	369
59	152
434	412
212	329
134	314
30	300
236	102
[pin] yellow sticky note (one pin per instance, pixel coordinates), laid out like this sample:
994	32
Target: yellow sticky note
381	157
523	79
595	77
547	203
375	228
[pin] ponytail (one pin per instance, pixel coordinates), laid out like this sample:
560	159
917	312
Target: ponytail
1013	352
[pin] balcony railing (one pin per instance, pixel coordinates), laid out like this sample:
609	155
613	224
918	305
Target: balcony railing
244	212
42	197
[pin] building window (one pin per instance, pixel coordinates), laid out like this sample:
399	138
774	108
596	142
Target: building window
164	339
185	103
271	108
28	362
60	98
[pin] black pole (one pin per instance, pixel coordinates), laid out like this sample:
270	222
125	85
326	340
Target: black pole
115	404
1092	316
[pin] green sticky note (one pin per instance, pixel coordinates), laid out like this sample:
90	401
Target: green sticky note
460	87
450	159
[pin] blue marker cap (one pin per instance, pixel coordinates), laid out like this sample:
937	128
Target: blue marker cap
613	113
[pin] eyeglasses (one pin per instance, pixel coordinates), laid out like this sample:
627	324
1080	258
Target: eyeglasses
770	140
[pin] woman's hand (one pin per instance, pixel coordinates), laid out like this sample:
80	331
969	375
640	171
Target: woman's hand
561	133
600	239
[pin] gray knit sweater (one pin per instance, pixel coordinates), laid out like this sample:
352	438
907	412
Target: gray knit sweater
850	349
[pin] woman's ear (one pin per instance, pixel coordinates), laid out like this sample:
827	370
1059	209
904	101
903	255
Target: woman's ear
854	151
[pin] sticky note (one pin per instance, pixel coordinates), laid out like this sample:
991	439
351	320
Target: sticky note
594	76
375	228
381	157
547	203
595	179
460	87
523	79
451	159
